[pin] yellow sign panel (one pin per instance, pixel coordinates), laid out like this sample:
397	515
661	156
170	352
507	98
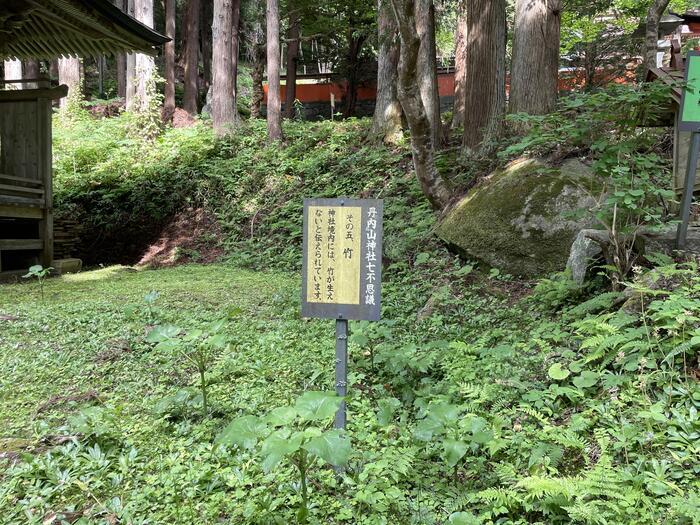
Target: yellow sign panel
333	269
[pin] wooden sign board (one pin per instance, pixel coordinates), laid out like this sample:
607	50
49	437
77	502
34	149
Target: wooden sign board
342	268
690	100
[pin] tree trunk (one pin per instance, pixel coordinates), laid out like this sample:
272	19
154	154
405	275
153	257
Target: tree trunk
432	184
460	65
69	74
130	92
274	110
656	9
485	79
257	73
205	26
386	122
427	66
224	115
292	58
144	66
236	44
169	52
191	94
534	80
13	71
120	59
355	43
31	71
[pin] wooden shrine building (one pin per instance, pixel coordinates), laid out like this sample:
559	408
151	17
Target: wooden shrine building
44	30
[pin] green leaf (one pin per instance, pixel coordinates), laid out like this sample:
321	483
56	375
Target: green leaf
163	333
244	432
462	518
277	445
427	428
359	339
453	451
331	446
317	406
281	416
387	408
587	379
422	258
558	373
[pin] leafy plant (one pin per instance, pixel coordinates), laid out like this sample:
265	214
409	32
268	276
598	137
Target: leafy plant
199	346
298	433
40	274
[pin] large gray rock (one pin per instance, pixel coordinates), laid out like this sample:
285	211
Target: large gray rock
587	247
523	219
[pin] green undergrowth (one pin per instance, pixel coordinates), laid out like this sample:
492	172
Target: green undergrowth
465	407
124	190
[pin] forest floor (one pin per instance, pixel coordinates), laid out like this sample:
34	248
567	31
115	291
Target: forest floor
453	415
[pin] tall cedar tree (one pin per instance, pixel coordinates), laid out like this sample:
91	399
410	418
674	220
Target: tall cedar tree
191	94
427	66
236	43
120	59
224	115
386	122
485	78
292	59
130	89
534	83
433	185
13	71
31	71
69	73
274	110
460	64
205	25
145	66
169	52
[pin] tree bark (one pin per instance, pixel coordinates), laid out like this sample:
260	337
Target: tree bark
145	66
292	58
130	91
224	115
257	73
69	74
485	79
656	9
205	27
191	94
355	43
433	185
534	81
274	110
169	52
31	71
427	66
386	122
460	65
120	59
236	44
13	71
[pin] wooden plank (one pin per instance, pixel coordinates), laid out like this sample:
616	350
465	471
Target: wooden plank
22	201
20	244
20	212
23	180
21	189
45	172
33	94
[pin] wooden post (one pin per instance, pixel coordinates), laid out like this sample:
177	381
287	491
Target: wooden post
45	172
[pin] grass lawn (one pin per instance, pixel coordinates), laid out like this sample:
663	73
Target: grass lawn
466	405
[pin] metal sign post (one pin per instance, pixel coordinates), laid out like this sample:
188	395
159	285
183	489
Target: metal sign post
690	121
341	369
341	273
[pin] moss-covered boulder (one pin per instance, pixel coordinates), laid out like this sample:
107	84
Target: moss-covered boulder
523	219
